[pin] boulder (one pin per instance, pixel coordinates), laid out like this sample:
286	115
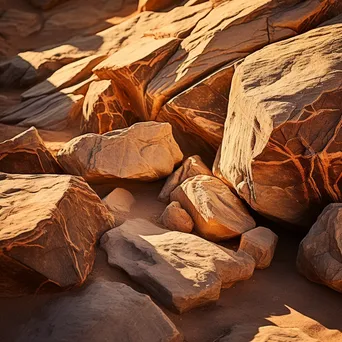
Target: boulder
145	151
320	253
260	243
27	153
176	218
102	312
192	166
49	225
281	149
181	270
218	214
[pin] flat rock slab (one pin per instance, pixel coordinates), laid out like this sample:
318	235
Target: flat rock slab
181	270
49	225
103	312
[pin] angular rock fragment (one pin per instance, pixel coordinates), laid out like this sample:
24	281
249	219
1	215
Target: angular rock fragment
156	5
218	214
49	225
181	270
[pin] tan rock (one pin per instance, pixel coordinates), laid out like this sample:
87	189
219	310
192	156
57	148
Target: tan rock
156	5
192	166
320	253
181	270
260	243
145	151
218	214
41	238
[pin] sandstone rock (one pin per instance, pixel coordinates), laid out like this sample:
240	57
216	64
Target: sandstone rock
218	214
281	148
181	270
320	253
145	151
46	4
41	238
27	153
102	312
192	166
260	243
176	218
156	5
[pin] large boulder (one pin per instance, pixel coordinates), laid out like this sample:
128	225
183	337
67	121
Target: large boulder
218	213
145	151
181	270
49	226
320	253
281	149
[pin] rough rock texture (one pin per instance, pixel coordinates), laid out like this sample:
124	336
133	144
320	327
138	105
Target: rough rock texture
218	214
46	4
282	143
27	153
181	270
320	253
156	5
260	243
176	218
145	151
102	312
192	166
41	238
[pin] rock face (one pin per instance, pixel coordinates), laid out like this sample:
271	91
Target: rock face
41	238
91	316
27	153
192	166
181	270
46	4
320	253
281	149
156	5
145	151
218	214
260	243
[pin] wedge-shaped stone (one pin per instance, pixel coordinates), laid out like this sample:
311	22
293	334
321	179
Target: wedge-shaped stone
282	148
156	5
49	225
145	151
181	270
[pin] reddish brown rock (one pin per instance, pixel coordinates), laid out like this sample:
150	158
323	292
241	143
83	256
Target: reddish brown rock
156	5
46	4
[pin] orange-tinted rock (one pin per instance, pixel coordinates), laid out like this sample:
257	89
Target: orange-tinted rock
156	5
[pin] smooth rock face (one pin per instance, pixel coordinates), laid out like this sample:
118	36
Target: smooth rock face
145	151
46	4
41	238
27	153
102	312
218	214
176	218
260	243
192	166
320	253
282	142
181	270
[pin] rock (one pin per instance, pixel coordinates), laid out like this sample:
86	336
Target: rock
181	270
218	214
156	5
27	153
91	316
176	218
320	253
260	243
145	151
192	166
281	149
41	238
46	4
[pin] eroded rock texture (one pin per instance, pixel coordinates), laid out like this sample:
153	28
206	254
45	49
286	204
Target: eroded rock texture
282	142
156	5
46	4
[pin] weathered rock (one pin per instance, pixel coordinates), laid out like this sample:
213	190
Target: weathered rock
260	243
46	4
181	270
320	253
27	153
192	166
102	312
176	218
145	151
41	238
218	214
156	5
281	149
